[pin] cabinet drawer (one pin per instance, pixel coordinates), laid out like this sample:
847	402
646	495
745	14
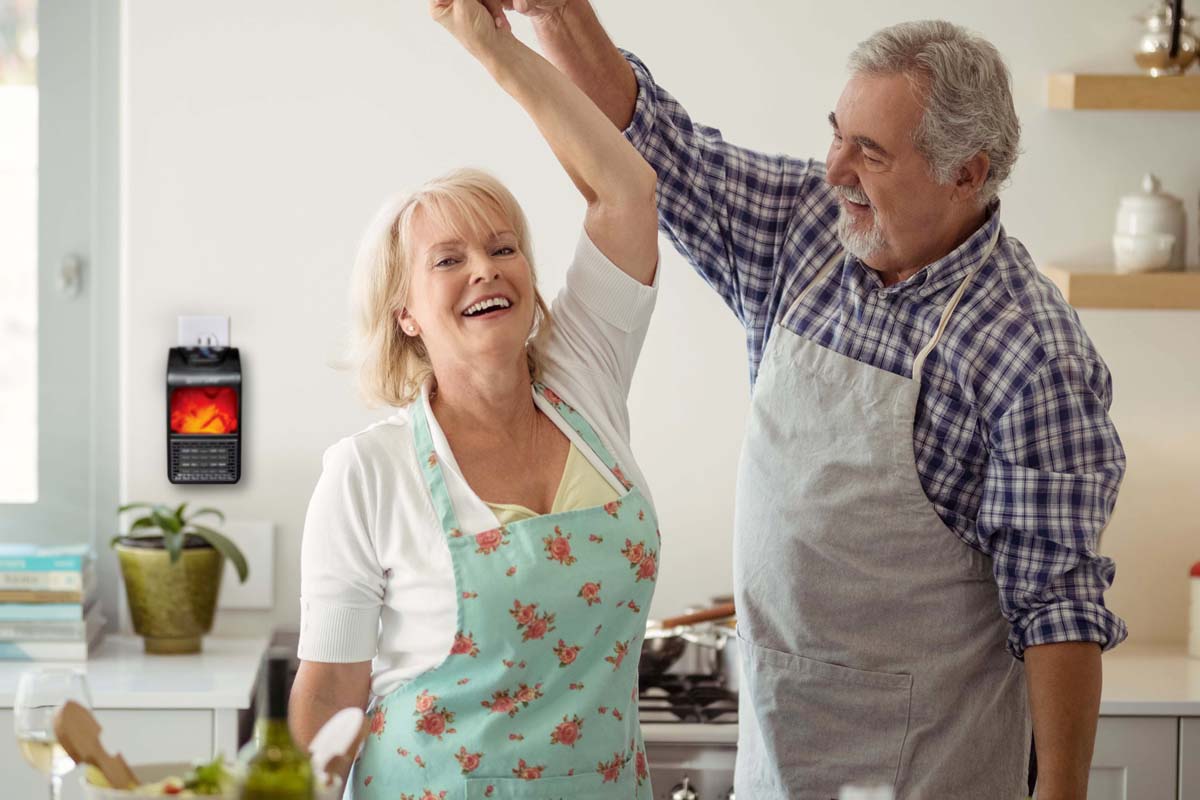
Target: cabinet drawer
1136	758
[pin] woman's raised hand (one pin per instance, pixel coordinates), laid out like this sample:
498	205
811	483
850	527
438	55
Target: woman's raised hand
470	22
536	9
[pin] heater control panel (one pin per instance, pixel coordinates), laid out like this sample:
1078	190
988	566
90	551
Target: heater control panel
212	460
204	415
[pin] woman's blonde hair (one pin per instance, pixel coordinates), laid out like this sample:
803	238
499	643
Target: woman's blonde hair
391	364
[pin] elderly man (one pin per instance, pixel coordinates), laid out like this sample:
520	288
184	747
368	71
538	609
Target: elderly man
928	461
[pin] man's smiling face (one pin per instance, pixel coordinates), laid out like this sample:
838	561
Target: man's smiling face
894	215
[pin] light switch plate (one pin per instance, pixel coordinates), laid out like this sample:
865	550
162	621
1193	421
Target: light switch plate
257	543
209	331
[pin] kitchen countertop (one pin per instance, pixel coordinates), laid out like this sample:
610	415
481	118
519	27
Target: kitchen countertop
1150	681
121	675
1139	681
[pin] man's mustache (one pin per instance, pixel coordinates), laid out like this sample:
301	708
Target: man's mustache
854	194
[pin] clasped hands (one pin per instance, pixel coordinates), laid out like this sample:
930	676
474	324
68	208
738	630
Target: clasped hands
475	22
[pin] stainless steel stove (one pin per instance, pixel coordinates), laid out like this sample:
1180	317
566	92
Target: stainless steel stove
689	724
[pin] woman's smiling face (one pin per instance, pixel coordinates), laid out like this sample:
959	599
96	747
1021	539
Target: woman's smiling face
471	296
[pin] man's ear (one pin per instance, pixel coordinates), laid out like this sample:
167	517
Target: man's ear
972	175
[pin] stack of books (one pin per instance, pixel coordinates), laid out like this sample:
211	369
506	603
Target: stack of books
48	603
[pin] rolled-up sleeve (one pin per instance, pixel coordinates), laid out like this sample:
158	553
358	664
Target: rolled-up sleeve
1055	466
341	582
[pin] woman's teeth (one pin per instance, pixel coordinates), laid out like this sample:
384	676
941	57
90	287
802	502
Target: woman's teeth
486	305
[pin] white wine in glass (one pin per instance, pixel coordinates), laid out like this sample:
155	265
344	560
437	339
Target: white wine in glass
45	754
40	693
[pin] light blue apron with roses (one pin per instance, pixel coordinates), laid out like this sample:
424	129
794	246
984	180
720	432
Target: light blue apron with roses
537	699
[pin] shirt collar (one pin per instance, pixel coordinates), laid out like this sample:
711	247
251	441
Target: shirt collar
948	271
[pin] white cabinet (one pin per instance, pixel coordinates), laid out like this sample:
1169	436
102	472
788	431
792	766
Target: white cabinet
150	708
1136	758
1189	758
141	735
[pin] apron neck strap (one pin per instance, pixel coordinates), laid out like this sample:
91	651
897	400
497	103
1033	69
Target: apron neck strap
431	466
919	361
581	426
830	265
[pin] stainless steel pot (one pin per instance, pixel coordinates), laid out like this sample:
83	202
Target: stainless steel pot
718	654
667	641
660	651
729	661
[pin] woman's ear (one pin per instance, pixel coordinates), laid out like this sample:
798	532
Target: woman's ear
407	323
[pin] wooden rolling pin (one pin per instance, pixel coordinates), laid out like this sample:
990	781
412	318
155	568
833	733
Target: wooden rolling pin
721	611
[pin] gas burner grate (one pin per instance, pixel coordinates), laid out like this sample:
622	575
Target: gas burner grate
686	698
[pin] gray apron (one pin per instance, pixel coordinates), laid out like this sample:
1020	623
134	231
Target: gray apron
873	647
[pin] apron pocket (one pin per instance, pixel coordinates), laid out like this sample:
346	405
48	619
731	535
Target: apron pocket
807	727
589	786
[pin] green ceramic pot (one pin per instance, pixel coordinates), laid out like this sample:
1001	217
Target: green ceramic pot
172	605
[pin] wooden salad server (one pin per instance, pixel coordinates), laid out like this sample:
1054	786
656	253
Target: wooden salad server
79	734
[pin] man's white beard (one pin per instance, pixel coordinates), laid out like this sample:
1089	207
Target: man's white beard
859	243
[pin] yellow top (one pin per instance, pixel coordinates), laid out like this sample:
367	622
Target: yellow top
582	486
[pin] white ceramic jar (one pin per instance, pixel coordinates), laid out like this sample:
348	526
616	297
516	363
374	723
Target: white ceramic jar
1145	220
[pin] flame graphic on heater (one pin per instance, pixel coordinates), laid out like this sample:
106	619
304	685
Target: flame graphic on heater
204	409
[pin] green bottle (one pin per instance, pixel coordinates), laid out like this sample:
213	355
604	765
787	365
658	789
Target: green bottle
273	767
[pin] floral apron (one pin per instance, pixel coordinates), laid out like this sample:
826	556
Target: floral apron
537	699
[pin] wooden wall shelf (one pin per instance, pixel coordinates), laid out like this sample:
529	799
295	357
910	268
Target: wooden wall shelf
1146	290
1077	91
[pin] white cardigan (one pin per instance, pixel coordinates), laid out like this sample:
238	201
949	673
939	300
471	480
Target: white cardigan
376	580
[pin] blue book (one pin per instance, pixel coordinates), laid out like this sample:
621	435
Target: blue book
42	631
56	651
45	612
70	580
35	558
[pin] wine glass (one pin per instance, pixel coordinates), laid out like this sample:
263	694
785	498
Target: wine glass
40	693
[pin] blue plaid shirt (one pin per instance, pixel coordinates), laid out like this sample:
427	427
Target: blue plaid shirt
1012	438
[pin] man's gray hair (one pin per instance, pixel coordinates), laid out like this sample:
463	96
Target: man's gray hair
966	89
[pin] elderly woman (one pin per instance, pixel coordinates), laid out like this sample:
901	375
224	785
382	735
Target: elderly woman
478	566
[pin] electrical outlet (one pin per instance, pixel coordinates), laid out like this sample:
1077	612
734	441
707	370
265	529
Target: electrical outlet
207	331
257	543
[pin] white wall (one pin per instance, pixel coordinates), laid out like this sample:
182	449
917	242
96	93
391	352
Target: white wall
261	136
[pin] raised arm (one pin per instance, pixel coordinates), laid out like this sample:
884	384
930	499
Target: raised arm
615	180
574	40
728	210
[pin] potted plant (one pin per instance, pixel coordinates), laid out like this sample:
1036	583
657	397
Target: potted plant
172	567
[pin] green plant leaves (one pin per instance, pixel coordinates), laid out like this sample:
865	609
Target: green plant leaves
225	547
201	512
168	521
175	527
